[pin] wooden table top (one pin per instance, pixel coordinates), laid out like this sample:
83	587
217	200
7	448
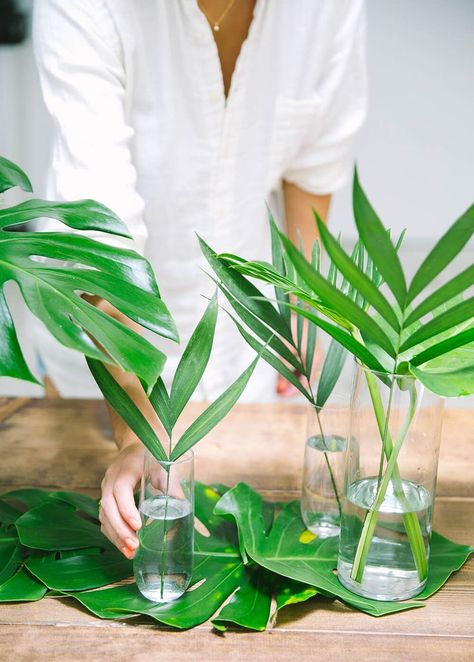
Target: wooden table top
66	444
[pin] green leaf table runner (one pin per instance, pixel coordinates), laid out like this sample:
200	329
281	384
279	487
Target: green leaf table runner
292	551
251	556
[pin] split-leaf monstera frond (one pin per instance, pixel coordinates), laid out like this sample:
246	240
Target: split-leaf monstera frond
53	270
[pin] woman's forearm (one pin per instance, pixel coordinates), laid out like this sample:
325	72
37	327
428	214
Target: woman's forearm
300	223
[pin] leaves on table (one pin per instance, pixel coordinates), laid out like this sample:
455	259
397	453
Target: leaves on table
289	551
55	525
238	570
81	571
22	586
10	553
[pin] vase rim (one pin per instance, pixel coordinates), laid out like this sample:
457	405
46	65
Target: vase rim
186	457
404	375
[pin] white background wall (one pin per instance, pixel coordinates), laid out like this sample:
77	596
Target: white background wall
415	154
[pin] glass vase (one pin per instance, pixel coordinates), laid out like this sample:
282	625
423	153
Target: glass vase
323	469
389	485
163	562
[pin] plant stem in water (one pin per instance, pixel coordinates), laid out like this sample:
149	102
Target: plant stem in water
163	541
331	474
410	519
326	458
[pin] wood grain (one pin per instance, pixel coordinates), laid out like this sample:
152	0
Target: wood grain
10	405
261	445
142	644
68	444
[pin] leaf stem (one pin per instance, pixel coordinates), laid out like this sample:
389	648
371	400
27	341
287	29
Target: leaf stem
326	457
328	463
410	519
163	540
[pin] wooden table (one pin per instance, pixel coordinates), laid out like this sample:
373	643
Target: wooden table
67	444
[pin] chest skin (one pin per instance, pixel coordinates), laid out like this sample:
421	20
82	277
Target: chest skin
233	31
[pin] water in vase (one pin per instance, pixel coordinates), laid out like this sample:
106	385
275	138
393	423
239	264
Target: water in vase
390	572
164	559
322	479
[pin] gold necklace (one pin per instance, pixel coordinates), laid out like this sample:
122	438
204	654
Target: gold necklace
216	25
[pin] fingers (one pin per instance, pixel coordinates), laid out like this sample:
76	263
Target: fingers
123	493
118	514
109	531
115	527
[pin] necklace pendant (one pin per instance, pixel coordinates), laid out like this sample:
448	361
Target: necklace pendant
216	27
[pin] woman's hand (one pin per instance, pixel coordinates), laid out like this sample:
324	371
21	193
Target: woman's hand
118	514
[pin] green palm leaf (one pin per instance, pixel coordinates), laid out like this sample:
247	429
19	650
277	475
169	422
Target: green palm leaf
273	360
336	300
356	276
332	368
354	346
213	414
262	331
160	401
193	361
247	293
378	243
445	321
443	347
446	249
279	264
121	402
444	294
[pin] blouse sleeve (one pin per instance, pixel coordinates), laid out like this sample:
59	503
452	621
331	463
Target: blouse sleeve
324	162
82	74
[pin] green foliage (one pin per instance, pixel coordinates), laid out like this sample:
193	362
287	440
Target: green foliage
53	269
251	555
374	314
11	175
306	292
450	374
290	550
380	331
168	406
268	330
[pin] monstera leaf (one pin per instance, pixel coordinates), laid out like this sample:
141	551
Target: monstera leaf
53	269
250	555
219	572
292	551
44	542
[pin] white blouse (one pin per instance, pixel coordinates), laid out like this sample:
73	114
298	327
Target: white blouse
142	124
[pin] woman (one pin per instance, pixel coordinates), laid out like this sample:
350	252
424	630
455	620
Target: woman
185	116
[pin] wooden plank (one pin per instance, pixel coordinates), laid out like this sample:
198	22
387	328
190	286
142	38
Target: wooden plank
9	406
126	642
71	443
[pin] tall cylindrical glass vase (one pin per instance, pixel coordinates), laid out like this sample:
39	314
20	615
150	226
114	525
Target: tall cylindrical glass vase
389	485
164	559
